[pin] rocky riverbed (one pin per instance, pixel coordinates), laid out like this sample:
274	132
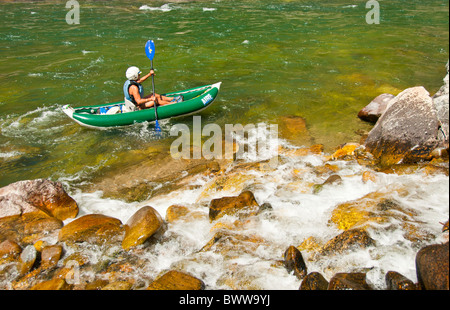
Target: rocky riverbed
233	224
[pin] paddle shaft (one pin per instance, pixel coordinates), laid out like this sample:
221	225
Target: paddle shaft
154	94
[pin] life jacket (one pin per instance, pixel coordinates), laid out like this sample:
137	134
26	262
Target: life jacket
126	87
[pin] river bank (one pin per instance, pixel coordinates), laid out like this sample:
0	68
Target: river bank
214	239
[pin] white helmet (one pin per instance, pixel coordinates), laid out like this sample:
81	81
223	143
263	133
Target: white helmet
132	73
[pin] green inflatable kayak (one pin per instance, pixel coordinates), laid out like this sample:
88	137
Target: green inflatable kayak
194	100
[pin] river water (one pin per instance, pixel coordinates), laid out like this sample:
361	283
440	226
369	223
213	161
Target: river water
318	60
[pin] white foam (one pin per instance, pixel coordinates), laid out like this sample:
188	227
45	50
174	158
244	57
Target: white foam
297	214
164	8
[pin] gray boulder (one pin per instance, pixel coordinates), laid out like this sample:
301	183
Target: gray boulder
408	130
441	102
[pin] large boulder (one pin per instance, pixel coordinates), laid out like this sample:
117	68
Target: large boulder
33	195
432	267
408	131
441	102
32	209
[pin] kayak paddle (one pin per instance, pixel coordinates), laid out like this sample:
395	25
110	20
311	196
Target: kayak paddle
150	52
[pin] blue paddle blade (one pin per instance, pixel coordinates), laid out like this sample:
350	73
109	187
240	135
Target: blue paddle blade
150	49
157	128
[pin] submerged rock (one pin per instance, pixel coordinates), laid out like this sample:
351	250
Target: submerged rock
293	128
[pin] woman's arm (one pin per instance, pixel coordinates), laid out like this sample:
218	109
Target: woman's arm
142	79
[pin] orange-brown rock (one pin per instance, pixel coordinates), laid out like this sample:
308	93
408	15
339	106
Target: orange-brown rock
92	228
294	129
314	281
398	282
348	240
231	205
293	261
45	195
176	280
50	256
349	281
432	267
141	226
54	284
9	250
176	212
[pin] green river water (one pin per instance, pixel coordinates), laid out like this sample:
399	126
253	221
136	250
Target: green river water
319	60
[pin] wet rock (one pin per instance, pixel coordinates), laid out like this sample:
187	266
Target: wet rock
175	212
92	228
232	245
349	281
368	176
50	256
118	286
314	281
441	102
348	240
378	208
141	226
346	151
27	259
445	227
408	130
9	250
293	261
396	281
30	210
55	284
176	280
432	267
245	202
27	196
373	111
332	180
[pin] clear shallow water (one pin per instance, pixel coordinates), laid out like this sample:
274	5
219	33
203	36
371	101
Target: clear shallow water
314	59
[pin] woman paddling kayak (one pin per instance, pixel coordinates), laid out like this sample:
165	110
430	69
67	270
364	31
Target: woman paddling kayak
134	92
